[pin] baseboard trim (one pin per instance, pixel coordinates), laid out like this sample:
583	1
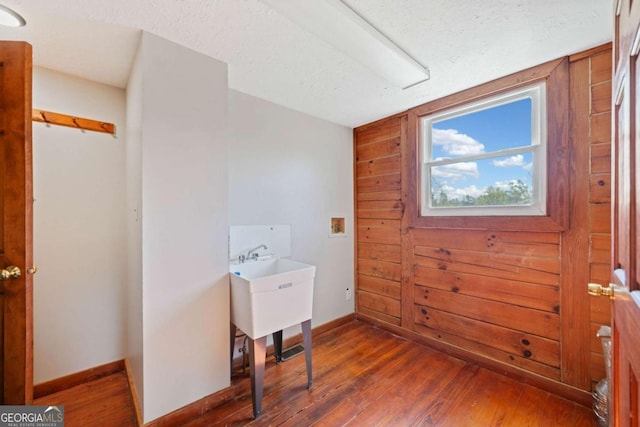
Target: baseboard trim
297	339
72	380
566	391
193	410
133	393
207	403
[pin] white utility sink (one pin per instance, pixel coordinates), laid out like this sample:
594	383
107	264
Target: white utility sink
269	295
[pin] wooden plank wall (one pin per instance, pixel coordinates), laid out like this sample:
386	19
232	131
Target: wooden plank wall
600	199
492	292
497	294
378	214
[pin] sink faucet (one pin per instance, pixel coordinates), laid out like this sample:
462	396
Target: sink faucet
252	254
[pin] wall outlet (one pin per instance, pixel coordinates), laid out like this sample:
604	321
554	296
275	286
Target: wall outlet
349	294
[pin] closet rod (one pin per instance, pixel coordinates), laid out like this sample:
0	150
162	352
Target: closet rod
52	118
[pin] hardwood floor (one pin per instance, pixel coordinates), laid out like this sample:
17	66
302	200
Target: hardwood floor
105	401
364	376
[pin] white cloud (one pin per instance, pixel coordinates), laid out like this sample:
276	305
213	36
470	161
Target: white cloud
517	160
456	171
528	166
456	144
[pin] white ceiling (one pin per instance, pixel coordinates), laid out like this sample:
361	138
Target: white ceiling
463	43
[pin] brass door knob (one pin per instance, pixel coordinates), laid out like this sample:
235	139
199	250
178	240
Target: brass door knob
597	289
10	273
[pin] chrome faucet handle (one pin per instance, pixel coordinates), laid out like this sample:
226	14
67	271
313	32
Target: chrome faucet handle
241	259
253	254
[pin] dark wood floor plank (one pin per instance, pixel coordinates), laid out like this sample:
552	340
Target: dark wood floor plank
558	413
369	379
362	376
437	410
487	402
366	376
343	380
281	390
539	408
425	379
102	402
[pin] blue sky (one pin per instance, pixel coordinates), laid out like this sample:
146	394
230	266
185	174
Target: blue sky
500	127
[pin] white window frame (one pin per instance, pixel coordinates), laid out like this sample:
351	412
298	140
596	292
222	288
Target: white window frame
538	148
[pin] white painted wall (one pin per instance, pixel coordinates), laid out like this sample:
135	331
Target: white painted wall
134	351
185	290
155	289
286	167
79	228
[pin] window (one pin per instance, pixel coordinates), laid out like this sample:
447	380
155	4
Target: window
545	88
486	158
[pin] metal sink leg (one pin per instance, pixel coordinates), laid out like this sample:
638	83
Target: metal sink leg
257	355
306	340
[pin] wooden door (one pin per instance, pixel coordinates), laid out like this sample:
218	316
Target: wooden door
626	215
16	201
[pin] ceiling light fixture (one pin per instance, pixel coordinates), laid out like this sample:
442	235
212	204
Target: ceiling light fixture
10	18
342	27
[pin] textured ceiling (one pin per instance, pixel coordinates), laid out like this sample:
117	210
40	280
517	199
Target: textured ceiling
463	42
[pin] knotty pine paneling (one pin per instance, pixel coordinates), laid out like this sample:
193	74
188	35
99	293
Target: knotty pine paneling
486	264
601	133
384	195
600	214
376	184
575	338
601	68
513	242
601	97
380	269
533	347
384	287
506	357
506	295
600	310
377	151
524	294
600	201
601	158
496	291
536	322
600	188
378	315
379	303
389	209
382	130
376	252
600	248
379	231
377	167
600	273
